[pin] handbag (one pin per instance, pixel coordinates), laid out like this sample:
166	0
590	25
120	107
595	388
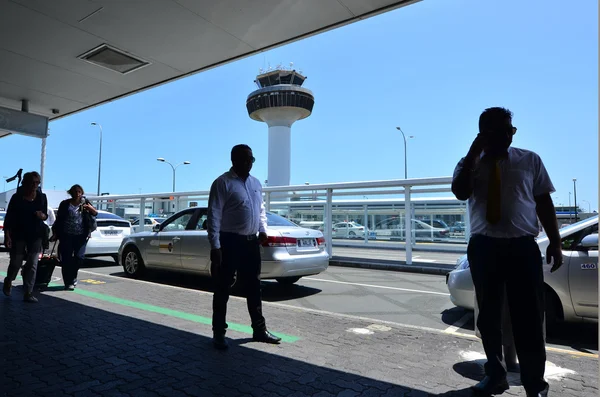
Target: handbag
90	221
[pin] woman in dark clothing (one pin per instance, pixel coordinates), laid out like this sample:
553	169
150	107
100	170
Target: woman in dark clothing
24	229
73	227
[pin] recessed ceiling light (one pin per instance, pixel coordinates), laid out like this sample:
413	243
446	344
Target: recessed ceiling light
111	58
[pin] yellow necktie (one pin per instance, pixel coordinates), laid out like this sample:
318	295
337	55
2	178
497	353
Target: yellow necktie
494	201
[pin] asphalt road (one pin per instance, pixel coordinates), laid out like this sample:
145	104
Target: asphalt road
419	300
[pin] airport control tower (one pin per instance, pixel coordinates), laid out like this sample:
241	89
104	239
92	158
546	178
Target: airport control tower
280	101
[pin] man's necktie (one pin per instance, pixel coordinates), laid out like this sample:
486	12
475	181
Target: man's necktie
494	200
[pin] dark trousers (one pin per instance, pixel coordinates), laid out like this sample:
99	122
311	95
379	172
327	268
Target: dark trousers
513	265
72	254
241	255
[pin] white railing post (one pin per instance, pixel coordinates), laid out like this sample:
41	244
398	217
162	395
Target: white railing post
268	201
407	225
467	222
328	223
366	207
142	220
431	224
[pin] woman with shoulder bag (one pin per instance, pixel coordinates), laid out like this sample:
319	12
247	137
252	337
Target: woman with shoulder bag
24	230
75	222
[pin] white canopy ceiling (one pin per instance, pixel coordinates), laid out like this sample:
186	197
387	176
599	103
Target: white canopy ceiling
41	42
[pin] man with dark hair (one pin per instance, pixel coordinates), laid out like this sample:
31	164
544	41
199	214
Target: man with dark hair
237	224
507	190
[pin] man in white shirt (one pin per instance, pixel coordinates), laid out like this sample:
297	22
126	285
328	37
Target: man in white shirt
507	190
237	225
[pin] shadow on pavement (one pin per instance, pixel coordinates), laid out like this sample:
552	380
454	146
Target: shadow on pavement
272	291
582	337
59	347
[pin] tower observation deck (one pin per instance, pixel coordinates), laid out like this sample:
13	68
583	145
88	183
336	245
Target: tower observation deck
279	101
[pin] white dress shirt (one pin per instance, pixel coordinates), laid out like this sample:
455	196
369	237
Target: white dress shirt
523	177
235	206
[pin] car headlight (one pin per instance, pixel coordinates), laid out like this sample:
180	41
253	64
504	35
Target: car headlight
462	263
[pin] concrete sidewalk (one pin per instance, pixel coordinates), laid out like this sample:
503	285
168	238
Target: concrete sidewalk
121	337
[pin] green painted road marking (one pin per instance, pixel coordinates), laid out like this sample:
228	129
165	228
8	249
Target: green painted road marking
168	312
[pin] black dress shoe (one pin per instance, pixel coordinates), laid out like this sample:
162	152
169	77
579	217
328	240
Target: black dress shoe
489	386
219	342
266	337
543	393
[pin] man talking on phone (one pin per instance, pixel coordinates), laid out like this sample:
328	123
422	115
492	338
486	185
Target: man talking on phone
507	190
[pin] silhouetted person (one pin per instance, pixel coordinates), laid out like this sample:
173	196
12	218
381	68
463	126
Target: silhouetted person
237	225
24	230
507	190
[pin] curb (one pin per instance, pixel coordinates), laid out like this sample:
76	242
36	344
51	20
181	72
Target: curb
416	267
448	250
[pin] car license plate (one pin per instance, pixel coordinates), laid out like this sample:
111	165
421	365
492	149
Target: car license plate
112	232
306	242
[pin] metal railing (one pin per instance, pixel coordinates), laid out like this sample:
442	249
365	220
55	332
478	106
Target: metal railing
406	188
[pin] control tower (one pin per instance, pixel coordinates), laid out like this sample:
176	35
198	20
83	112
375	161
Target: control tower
280	101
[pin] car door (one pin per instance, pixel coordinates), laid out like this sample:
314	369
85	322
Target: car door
195	247
166	244
583	274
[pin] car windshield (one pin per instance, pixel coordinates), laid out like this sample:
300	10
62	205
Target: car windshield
276	220
107	215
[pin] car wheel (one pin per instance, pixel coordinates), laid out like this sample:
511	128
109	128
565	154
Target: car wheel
352	234
133	264
287	280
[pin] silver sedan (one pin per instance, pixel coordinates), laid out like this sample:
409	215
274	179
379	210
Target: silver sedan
181	244
571	291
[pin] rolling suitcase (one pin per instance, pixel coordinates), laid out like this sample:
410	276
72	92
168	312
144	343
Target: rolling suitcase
45	268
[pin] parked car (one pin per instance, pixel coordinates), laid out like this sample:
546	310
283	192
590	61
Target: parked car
350	230
316	225
457	227
107	238
420	230
149	223
181	244
571	291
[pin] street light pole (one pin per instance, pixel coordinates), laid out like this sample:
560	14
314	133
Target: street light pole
575	196
162	160
589	206
405	157
99	157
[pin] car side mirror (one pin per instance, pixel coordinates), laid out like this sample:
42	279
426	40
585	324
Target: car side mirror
589	242
156	228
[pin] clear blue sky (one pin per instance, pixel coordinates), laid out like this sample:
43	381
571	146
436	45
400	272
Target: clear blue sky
430	68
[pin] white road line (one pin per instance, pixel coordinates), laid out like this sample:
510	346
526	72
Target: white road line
338	315
459	323
377	286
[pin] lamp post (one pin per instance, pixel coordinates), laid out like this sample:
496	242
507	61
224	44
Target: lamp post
173	167
575	196
99	156
570	206
405	158
589	206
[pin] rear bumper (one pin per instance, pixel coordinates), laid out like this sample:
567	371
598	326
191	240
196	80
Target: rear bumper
285	265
